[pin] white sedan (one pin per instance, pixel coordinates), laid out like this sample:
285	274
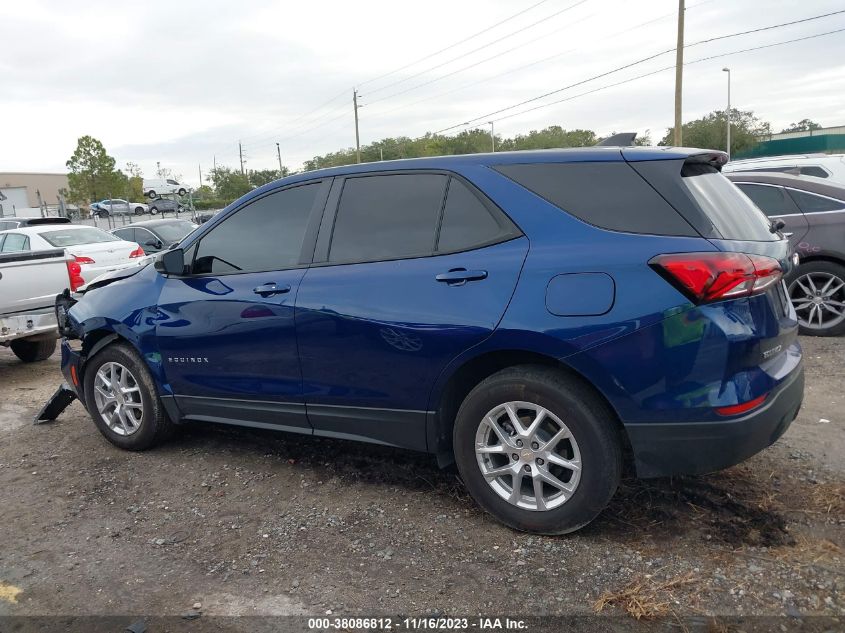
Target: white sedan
95	251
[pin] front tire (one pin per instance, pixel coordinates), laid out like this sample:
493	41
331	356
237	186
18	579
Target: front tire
537	449
151	195
139	210
153	210
33	351
182	192
123	400
817	293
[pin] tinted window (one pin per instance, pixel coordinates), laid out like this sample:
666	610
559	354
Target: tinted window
175	231
811	203
608	195
814	170
74	236
15	243
467	222
126	234
172	182
733	215
771	200
387	217
8	225
264	235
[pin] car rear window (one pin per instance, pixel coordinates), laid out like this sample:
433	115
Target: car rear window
73	237
609	195
732	213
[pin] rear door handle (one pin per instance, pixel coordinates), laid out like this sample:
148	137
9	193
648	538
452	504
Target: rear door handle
459	276
268	290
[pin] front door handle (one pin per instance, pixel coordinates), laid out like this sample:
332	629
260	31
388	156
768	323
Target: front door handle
459	276
268	290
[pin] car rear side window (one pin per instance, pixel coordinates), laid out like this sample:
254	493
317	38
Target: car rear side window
732	213
771	199
814	170
811	203
468	222
15	243
126	234
390	216
609	195
264	235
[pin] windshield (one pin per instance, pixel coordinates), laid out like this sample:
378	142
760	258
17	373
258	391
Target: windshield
173	231
733	213
75	236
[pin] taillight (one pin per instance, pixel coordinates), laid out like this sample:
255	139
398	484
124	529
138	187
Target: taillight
83	260
74	273
705	277
138	252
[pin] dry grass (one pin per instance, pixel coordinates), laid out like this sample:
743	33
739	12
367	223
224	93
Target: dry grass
809	552
828	498
644	598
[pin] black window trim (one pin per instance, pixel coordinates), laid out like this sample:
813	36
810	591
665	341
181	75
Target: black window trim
326	233
314	217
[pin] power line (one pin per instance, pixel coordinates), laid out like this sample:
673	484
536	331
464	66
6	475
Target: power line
451	46
664	69
475	50
629	65
270	132
530	64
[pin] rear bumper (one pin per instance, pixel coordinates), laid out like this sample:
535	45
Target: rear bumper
38	323
662	449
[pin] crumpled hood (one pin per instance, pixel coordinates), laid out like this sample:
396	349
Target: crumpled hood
106	278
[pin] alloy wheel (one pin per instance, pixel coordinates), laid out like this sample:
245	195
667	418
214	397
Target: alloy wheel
818	299
117	396
528	456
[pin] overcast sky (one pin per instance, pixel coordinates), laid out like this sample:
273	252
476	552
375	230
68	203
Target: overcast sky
181	82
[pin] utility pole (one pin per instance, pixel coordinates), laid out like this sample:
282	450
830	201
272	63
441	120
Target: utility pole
492	136
279	153
241	155
679	77
214	161
380	153
357	138
728	113
199	167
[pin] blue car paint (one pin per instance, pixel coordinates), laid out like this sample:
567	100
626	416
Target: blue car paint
362	335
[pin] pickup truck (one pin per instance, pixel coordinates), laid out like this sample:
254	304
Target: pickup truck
29	282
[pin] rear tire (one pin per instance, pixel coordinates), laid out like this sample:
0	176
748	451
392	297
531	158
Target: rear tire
592	449
808	283
182	192
151	195
153	210
133	431
139	210
32	351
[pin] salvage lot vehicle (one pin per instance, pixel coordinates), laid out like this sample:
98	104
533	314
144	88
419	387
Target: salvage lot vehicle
13	223
94	252
163	205
154	187
529	315
155	235
813	212
117	206
29	282
827	166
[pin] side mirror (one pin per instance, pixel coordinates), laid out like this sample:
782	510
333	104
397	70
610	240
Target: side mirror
171	262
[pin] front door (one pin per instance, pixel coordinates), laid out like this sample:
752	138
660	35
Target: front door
226	330
406	284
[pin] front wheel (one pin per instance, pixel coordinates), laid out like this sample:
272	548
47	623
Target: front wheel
537	449
33	351
153	210
182	192
818	295
139	210
151	195
123	400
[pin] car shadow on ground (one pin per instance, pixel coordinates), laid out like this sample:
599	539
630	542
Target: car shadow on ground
731	506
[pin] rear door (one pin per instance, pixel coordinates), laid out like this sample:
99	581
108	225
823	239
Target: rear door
777	205
410	270
226	330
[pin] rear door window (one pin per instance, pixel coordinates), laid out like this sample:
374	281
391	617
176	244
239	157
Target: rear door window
610	195
811	203
390	216
126	234
771	199
732	213
15	243
468	222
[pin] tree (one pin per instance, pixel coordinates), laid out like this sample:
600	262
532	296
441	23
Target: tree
804	125
229	184
135	186
258	177
92	174
709	132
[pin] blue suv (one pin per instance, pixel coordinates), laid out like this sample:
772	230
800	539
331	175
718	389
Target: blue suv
535	317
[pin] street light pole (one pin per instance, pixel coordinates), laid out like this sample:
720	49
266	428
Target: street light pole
279	154
492	135
728	146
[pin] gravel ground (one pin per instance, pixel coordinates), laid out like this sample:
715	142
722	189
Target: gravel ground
248	522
